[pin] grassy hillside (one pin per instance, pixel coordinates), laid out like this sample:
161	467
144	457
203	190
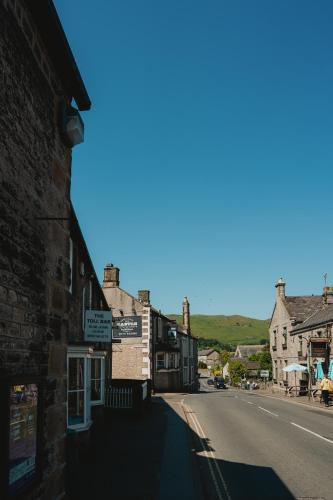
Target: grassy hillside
227	329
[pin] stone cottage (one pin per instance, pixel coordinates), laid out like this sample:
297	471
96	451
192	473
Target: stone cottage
209	357
38	127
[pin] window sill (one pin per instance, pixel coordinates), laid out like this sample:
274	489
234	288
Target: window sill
80	427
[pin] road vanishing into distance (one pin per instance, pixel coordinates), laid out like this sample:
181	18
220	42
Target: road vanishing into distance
251	446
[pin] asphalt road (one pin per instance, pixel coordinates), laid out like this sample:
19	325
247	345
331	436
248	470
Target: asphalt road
253	447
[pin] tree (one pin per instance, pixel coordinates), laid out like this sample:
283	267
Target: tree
264	359
224	357
237	371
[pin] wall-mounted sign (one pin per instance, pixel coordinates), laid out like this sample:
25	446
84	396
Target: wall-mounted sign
22	436
127	327
264	373
98	326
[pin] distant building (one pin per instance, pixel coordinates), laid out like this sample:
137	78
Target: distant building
242	353
210	357
146	343
245	351
287	342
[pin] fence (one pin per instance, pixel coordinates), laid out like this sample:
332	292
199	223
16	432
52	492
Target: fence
119	397
124	394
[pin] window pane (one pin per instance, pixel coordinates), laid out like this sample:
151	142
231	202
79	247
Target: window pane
96	368
76	373
96	390
75	408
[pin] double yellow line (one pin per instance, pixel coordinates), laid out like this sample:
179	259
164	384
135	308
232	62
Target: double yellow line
214	469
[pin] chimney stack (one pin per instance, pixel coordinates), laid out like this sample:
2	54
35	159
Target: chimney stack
328	295
280	289
186	315
144	297
111	276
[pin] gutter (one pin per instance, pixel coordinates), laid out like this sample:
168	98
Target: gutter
51	31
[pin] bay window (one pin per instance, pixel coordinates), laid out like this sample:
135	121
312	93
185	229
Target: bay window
78	404
97	378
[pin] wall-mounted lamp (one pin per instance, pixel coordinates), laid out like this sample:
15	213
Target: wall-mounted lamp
72	126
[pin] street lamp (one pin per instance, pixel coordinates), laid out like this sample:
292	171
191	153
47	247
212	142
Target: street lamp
308	364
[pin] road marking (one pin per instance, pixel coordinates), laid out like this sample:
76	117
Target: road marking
311	432
206	454
209	454
215	462
250	403
267	411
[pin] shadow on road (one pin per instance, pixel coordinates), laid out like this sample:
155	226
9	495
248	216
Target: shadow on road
126	461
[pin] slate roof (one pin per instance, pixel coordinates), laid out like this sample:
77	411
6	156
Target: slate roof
321	317
302	307
248	350
206	352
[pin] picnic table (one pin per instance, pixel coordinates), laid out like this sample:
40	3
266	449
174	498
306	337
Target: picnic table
295	390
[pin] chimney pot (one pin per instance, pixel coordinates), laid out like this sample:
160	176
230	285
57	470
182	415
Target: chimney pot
280	288
144	296
111	276
328	295
186	315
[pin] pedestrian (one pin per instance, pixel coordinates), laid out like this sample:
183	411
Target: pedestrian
326	388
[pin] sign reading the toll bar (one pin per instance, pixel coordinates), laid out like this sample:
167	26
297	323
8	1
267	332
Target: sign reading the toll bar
264	373
127	327
98	326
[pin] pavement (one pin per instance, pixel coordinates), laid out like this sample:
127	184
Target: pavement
145	457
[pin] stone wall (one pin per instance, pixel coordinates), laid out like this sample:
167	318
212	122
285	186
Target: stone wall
34	185
132	357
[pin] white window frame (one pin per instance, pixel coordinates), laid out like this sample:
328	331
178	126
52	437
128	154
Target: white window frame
84	353
157	361
101	355
71	254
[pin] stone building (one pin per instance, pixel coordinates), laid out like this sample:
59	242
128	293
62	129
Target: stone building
289	312
313	337
176	354
210	357
146	343
38	126
89	355
245	351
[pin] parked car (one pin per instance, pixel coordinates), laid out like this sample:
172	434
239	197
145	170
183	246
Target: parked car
219	383
210	381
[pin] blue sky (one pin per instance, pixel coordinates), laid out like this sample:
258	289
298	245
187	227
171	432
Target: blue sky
207	164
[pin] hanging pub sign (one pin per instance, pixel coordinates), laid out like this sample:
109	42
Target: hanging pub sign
127	327
23	415
98	326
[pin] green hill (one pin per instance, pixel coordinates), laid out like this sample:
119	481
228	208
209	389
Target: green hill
227	329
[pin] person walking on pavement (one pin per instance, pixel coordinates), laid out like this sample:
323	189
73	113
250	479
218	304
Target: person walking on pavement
326	388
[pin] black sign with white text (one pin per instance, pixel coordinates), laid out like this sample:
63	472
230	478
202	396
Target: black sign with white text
127	327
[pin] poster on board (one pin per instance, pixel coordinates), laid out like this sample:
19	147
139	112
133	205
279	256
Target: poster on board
22	436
